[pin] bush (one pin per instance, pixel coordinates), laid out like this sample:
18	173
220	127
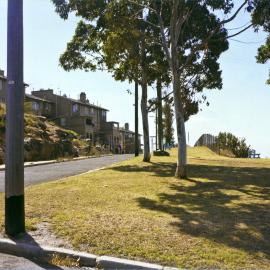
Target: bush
237	146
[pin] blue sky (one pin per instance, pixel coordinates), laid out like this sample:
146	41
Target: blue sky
241	107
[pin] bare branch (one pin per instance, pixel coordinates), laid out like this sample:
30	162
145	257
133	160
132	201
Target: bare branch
235	14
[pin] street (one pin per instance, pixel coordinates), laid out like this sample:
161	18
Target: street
50	172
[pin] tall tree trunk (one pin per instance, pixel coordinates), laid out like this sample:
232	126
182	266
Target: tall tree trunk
181	170
136	120
146	148
159	108
144	107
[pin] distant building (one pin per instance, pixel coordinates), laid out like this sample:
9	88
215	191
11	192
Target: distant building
206	140
88	120
79	115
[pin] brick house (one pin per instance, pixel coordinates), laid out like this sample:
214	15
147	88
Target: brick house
33	104
3	86
78	115
88	120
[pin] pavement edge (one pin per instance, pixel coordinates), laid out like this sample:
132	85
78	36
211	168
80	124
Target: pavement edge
11	247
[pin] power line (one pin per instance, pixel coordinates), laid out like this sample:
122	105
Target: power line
247	42
229	29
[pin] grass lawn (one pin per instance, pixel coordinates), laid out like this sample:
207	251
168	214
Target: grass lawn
219	218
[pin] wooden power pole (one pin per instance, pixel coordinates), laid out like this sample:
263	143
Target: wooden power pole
14	159
136	119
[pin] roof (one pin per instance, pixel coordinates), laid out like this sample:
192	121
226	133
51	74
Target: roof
85	103
37	98
128	131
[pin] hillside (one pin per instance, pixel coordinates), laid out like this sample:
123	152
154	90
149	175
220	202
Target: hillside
44	140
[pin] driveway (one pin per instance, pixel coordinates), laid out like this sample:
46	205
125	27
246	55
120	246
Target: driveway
50	172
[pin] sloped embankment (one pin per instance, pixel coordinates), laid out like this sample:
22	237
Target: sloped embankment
44	140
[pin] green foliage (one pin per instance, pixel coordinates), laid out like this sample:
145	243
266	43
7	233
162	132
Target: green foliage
238	146
110	35
168	122
261	18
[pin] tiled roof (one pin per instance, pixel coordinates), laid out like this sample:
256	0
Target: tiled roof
86	104
37	98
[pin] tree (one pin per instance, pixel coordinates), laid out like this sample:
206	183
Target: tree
238	146
168	121
261	18
159	114
193	37
113	35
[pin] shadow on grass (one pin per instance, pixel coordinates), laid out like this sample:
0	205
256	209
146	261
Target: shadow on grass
162	169
229	208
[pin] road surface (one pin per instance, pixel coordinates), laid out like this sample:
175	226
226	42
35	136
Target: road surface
50	172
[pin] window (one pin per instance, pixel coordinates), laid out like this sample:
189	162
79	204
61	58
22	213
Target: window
103	115
89	122
35	106
47	106
85	109
75	108
63	122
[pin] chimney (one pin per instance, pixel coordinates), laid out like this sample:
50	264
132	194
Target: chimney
126	126
2	73
83	97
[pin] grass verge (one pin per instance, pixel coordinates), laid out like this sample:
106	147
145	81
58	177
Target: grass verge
219	218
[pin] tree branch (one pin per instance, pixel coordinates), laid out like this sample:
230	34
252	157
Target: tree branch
235	14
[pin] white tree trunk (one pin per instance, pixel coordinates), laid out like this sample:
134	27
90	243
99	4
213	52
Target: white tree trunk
181	170
146	148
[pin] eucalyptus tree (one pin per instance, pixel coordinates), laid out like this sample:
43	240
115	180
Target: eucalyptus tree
112	35
193	35
261	18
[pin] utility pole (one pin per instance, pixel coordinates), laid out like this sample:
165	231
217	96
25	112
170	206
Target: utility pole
14	159
136	119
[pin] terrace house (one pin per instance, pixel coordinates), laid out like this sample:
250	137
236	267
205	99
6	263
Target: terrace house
79	115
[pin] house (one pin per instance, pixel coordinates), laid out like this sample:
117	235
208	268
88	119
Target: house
128	138
39	106
119	139
3	86
33	104
88	120
79	115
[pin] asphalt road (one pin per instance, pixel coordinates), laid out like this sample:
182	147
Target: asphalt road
8	262
50	172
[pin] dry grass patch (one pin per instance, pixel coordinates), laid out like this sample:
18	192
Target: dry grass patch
219	218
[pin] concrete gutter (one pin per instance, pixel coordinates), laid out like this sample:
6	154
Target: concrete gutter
46	162
44	253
